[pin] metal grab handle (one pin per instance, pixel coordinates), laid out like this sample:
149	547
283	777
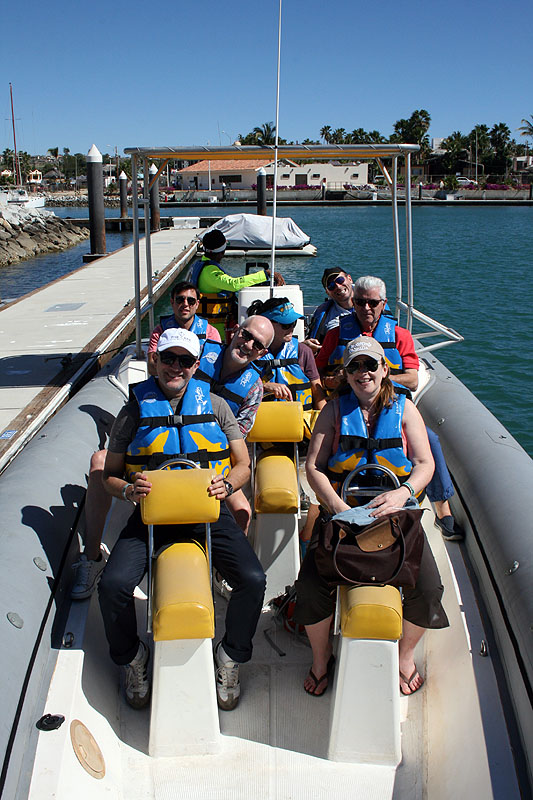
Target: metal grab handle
171	462
356	491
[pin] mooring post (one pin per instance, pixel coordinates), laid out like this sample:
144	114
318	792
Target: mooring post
531	191
95	191
155	213
420	190
261	193
123	189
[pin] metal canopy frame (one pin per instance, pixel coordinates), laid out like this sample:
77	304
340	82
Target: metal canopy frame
378	151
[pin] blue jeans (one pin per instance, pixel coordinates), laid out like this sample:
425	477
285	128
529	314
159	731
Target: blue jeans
440	486
232	556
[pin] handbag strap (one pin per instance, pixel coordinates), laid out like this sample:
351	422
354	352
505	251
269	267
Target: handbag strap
401	540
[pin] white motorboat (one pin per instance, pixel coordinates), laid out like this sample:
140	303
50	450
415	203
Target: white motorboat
468	733
20	197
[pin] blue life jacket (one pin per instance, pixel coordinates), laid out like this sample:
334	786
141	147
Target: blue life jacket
355	447
194	433
235	389
284	368
384	333
317	326
199	325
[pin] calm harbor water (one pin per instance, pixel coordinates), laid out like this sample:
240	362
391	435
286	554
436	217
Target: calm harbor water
472	273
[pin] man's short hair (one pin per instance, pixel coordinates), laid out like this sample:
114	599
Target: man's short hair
184	286
369	282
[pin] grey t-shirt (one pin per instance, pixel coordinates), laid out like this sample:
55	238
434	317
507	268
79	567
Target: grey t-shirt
127	422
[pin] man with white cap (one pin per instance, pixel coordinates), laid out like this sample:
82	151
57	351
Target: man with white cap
169	414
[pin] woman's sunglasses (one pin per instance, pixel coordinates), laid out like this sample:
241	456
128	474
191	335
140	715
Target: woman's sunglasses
368	365
247	336
338	281
184	362
364	301
289	326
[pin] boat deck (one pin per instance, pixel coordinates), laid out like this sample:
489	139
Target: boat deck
276	740
53	336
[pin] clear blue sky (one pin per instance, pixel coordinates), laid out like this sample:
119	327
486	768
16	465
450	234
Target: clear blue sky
81	72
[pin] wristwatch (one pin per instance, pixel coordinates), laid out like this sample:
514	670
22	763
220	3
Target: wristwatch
229	488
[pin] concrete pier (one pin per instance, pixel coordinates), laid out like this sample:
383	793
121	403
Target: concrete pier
55	337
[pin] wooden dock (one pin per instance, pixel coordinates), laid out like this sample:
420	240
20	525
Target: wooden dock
55	337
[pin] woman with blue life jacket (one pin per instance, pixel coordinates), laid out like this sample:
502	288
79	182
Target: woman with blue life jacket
367	423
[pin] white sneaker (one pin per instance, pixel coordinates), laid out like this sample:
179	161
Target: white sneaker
87	576
136	679
227	675
222	587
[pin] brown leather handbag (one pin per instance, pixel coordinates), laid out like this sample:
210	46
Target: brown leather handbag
388	551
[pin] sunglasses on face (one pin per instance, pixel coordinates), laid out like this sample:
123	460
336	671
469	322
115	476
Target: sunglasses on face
247	336
184	362
364	301
338	281
287	327
180	300
368	365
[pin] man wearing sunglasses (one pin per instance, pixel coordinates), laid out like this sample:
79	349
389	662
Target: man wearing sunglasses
172	413
371	317
339	289
184	299
231	373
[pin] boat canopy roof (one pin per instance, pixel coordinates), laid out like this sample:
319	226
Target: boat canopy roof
244	152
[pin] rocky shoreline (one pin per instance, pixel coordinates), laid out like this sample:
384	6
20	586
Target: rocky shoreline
26	233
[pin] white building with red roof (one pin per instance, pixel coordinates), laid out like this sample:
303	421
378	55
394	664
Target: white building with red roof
240	174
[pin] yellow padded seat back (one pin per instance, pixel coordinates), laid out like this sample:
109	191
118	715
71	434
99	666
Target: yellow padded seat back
278	422
310	417
276	485
179	497
371	612
182	599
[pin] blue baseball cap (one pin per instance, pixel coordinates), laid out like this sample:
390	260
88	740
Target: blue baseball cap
284	314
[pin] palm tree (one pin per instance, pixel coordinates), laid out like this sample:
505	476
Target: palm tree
266	134
337	137
527	128
325	133
7	157
456	146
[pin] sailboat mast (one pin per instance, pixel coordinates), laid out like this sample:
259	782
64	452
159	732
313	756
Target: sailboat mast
18	176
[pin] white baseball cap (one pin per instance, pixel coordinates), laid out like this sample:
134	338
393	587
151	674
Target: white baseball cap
179	337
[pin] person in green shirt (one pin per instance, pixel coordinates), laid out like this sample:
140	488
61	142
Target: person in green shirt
218	289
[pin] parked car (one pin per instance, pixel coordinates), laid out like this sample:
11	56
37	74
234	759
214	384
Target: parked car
465	181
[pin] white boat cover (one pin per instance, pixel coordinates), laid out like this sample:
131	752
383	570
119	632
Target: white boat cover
252	231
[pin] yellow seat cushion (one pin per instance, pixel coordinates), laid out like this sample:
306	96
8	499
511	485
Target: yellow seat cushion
179	497
278	422
276	486
182	599
371	612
